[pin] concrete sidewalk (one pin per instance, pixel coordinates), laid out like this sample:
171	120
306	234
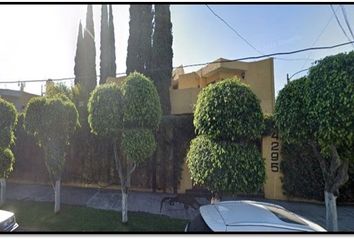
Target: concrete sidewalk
150	202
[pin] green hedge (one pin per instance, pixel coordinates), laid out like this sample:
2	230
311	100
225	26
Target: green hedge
228	111
302	175
225	166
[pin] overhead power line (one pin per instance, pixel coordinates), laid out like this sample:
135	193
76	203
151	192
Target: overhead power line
243	38
346	21
232	29
339	23
215	62
318	37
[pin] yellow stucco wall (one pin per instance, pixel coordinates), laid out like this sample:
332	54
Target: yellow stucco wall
183	100
271	147
258	75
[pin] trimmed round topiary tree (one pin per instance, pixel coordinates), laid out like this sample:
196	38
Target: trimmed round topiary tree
128	113
226	166
319	112
52	121
228	110
8	120
224	157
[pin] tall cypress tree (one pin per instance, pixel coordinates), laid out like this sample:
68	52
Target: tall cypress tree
162	54
105	42
78	68
112	45
89	78
139	42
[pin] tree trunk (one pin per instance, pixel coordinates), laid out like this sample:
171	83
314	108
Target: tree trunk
57	196
124	204
2	191
331	212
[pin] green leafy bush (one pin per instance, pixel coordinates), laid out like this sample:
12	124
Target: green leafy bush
52	121
105	110
224	157
269	125
7	161
138	143
142	107
226	167
331	101
302	175
228	110
291	114
8	120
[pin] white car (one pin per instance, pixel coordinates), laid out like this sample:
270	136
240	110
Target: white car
249	216
7	221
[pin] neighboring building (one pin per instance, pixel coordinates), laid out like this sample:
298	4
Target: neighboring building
17	97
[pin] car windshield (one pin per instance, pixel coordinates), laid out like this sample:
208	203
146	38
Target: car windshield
286	216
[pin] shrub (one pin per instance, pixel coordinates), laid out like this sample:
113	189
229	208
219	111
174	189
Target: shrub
105	110
52	121
290	112
302	175
142	107
228	110
269	125
8	122
226	167
137	144
224	157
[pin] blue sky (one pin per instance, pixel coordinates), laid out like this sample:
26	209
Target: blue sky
38	42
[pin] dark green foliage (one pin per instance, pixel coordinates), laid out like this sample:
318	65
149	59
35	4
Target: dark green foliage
226	167
162	54
330	99
7	161
139	42
291	114
29	157
105	55
302	175
142	107
173	139
228	110
8	120
105	110
112	44
269	125
108	55
88	80
79	57
138	144
52	121
229	121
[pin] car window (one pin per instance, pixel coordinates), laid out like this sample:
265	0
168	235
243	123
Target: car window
286	216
